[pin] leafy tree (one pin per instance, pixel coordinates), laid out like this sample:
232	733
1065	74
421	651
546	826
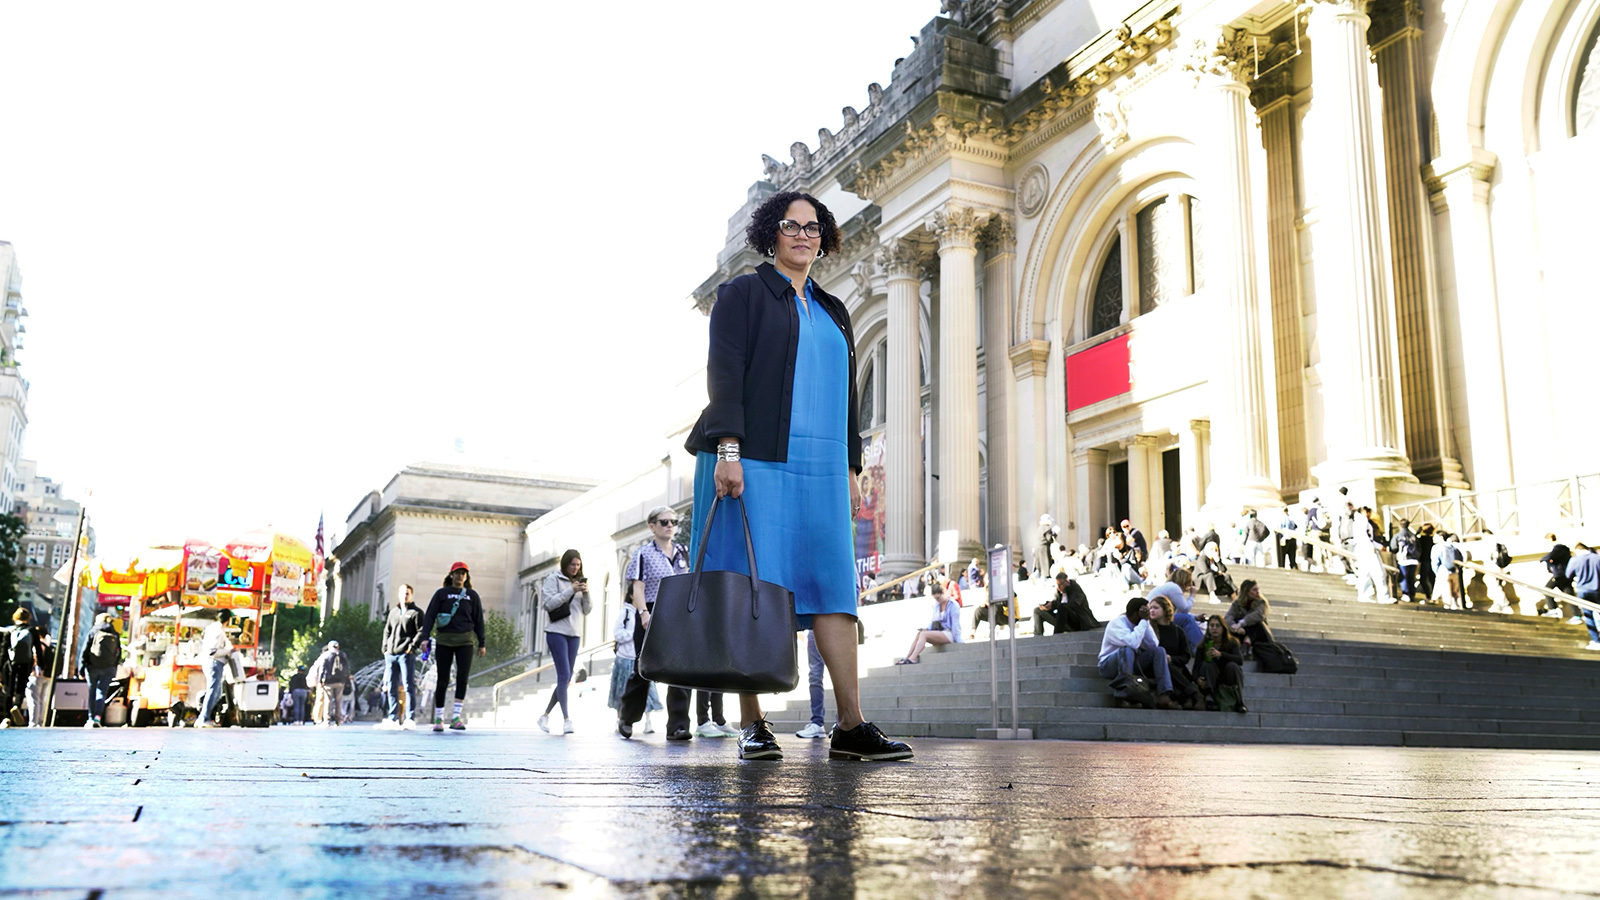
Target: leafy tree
359	637
502	637
12	528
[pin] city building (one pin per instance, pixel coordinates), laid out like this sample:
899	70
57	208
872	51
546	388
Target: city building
432	514
13	387
1175	261
46	548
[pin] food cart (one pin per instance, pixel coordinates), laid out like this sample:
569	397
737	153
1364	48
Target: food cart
250	577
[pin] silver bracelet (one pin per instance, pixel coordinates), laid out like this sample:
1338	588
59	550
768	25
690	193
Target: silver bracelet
727	453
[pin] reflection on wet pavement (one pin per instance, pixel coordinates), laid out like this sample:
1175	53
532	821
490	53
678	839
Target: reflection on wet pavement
307	812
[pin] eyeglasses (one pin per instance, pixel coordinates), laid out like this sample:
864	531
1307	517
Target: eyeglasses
791	228
667	522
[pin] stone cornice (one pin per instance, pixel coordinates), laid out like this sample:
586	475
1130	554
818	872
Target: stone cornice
1030	358
1226	58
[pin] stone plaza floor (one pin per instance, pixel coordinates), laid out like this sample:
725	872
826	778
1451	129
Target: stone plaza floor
306	812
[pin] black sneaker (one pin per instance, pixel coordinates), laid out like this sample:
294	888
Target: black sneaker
681	733
756	742
625	729
865	742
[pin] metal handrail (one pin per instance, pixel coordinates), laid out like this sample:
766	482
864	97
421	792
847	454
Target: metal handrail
1502	510
903	578
1555	595
510	662
494	702
1466	563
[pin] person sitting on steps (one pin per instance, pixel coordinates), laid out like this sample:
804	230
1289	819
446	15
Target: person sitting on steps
944	629
1247	617
1130	648
1175	643
1067	611
1219	668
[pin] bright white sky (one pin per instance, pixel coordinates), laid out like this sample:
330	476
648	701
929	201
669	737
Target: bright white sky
272	253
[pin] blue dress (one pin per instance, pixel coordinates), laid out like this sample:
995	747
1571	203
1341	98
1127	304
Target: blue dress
799	510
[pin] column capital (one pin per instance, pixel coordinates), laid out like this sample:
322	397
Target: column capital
1478	166
1000	235
900	261
1029	358
1200	427
1345	8
1276	83
1223	59
1138	440
957	227
1393	20
1088	455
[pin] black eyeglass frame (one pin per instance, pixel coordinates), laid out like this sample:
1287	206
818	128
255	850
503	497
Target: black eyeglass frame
792	228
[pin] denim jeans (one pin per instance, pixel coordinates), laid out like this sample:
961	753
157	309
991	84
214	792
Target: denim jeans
99	689
406	666
299	695
1146	661
814	676
214	687
1589	619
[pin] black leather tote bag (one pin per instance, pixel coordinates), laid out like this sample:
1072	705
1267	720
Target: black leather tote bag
722	631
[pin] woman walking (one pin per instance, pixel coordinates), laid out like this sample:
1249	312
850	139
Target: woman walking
564	596
458	612
782	427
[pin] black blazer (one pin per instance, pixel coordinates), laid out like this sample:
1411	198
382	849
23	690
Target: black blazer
755	335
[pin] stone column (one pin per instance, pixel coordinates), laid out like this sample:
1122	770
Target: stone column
1029	362
957	229
1193	450
1139	465
1396	36
1460	199
1273	96
1352	289
902	443
1242	477
1000	247
1089	467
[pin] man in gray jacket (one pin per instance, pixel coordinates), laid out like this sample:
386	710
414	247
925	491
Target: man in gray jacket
402	638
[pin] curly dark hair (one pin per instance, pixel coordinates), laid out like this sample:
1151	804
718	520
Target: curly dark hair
762	233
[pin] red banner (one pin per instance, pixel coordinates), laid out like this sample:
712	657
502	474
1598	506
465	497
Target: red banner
1098	373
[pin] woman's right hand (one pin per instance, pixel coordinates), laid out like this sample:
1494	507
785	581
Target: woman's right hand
730	479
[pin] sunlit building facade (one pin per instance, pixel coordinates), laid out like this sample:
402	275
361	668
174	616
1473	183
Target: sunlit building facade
1175	261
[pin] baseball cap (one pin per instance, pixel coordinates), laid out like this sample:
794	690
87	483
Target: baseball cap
458	565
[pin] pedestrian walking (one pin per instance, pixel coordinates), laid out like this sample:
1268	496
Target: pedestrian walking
1372	579
329	672
18	665
564	597
102	653
1404	547
814	667
625	661
299	690
402	638
654	560
782	422
457	611
215	649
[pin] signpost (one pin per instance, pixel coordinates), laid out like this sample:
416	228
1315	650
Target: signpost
1001	595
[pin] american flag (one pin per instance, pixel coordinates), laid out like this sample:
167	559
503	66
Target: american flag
319	555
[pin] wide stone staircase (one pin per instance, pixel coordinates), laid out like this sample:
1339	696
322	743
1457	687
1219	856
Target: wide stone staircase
1400	675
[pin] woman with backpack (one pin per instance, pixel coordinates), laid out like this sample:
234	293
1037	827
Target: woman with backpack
563	596
1219	668
458	612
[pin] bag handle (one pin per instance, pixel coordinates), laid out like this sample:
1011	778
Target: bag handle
749	549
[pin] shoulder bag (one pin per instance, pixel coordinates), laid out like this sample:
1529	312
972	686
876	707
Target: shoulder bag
556	614
722	631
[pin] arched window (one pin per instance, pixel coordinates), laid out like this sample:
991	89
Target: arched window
1586	100
869	393
1107	308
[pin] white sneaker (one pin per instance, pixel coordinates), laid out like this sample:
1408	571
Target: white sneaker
709	730
387	725
91	724
649	726
812	730
544	724
566	727
409	725
1593	645
728	729
1575	620
206	725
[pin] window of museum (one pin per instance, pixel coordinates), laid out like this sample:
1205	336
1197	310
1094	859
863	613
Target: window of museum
1168	261
1586	99
869	394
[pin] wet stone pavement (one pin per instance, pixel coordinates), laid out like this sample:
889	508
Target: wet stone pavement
304	812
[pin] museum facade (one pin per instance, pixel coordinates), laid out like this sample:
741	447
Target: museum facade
1174	261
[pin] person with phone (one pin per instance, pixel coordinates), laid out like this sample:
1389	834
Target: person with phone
564	596
944	629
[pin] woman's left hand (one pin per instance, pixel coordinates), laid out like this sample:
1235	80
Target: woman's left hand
855	495
483	651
